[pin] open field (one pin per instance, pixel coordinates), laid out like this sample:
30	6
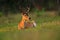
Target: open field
48	28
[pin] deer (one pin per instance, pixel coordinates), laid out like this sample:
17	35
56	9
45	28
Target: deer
25	21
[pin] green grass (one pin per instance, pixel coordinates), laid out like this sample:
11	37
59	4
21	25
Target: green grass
48	28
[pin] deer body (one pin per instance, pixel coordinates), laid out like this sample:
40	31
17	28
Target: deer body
21	24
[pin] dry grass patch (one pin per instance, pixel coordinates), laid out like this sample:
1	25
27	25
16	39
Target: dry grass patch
53	23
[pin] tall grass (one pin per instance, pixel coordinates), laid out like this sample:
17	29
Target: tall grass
48	28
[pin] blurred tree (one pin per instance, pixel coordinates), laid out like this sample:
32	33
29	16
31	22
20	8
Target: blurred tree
58	7
18	5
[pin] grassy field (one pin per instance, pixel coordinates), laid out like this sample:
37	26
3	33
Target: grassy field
48	28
